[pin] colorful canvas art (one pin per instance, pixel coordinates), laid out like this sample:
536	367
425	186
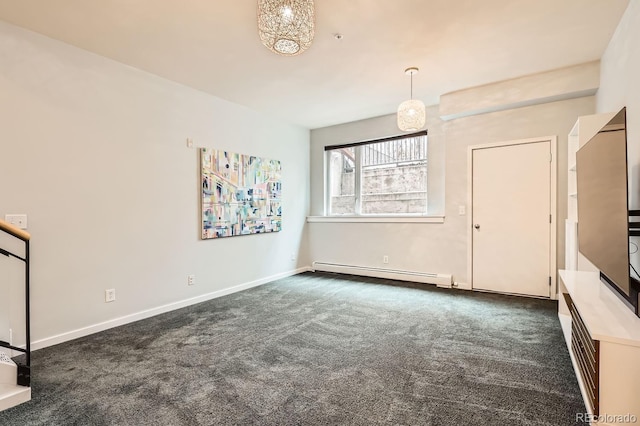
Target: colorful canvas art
241	194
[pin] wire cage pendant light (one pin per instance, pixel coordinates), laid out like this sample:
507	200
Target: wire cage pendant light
411	113
286	27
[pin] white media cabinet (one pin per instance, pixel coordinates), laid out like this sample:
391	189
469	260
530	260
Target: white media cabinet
604	344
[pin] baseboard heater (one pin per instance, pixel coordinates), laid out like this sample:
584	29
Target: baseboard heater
441	280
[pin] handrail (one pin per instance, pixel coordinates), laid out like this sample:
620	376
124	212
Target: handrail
24	370
16	232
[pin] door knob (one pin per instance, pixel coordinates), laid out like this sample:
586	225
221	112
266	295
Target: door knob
476	226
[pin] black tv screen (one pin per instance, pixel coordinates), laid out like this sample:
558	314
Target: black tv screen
603	212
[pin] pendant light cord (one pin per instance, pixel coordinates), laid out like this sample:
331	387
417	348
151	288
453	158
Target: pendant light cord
411	85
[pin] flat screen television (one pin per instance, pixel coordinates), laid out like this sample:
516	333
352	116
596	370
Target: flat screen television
603	208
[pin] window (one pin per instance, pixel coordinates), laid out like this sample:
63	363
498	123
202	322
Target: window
381	177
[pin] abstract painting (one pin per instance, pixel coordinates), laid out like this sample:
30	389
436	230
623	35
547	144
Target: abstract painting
241	194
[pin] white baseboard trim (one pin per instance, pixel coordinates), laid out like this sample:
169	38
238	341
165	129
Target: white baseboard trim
95	328
462	286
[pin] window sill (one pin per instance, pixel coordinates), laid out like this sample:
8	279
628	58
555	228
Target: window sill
375	219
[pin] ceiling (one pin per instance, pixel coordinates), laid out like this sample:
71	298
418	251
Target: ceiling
213	46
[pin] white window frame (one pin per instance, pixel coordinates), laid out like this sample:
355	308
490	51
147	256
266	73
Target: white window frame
359	216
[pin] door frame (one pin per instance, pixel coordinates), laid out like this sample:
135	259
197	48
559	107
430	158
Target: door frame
553	260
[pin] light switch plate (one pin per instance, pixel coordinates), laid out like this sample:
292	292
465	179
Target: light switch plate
17	220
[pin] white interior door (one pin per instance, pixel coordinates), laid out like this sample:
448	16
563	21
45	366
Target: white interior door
511	208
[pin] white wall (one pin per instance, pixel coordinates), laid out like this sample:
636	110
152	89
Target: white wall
576	81
432	247
620	86
94	152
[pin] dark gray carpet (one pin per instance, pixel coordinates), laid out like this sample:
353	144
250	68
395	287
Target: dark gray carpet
316	349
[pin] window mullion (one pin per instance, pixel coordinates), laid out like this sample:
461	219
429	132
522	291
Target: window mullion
327	183
358	179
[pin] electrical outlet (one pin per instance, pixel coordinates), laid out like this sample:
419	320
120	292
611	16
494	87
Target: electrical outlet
385	259
293	257
110	295
191	279
462	210
17	220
